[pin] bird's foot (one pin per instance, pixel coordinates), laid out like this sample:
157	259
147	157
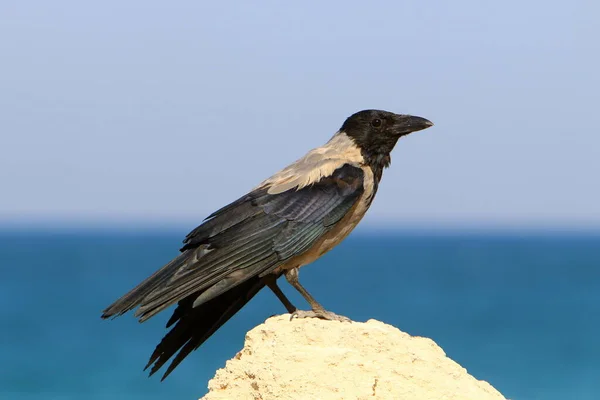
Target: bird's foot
322	314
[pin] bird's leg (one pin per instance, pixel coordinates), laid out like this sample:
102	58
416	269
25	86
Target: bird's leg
272	284
317	309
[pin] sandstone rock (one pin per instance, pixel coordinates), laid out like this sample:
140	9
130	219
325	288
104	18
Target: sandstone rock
315	359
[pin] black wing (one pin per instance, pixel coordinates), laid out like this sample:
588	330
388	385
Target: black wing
223	260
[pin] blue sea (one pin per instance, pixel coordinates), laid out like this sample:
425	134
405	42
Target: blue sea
521	311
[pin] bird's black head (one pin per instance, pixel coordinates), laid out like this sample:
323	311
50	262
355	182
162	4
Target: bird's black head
376	132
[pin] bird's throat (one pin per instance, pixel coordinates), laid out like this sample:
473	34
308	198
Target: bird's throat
377	162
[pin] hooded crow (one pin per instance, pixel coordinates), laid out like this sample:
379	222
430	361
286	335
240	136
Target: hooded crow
287	221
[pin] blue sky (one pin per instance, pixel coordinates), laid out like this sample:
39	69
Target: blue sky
156	112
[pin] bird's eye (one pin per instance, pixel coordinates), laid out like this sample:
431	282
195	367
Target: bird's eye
376	123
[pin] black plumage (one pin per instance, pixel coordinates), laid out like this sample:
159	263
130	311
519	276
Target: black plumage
288	221
237	245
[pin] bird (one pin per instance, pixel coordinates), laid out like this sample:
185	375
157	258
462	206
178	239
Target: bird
287	221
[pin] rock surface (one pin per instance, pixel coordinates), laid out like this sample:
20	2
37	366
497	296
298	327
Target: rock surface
315	359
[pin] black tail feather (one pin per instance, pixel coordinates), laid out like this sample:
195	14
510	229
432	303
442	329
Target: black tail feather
195	325
136	295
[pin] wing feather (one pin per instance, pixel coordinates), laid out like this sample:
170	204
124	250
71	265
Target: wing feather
224	260
255	233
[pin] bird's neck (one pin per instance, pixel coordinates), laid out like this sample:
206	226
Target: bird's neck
374	154
378	162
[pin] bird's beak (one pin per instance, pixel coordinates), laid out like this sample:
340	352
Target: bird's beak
406	124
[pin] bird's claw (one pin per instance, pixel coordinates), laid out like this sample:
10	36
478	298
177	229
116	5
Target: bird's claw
322	314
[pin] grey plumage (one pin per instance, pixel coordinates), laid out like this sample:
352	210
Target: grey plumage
287	221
